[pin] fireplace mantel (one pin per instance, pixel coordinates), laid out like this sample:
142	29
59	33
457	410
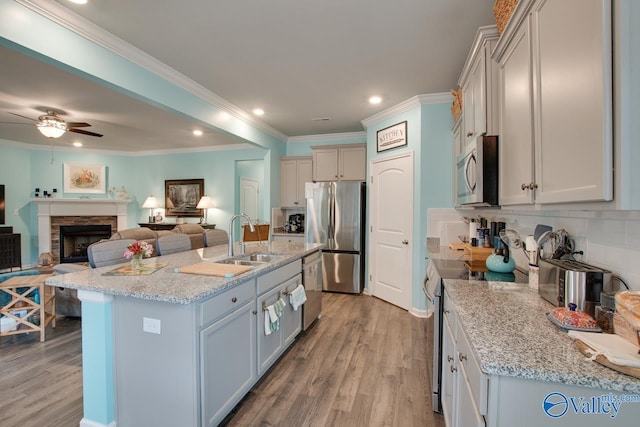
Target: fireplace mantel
48	207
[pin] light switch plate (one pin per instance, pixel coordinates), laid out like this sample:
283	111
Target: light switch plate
151	326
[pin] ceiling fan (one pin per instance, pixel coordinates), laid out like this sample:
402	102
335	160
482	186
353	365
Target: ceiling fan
52	125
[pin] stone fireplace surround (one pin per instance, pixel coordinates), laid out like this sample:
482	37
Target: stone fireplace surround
52	213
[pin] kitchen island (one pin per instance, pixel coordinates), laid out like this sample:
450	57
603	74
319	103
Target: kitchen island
506	364
169	348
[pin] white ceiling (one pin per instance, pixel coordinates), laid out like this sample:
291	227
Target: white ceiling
298	60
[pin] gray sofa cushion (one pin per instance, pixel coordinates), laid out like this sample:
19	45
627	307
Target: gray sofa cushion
108	252
215	237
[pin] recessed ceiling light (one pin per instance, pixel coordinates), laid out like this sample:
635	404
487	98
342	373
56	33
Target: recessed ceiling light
375	100
258	111
79	1
197	132
77	144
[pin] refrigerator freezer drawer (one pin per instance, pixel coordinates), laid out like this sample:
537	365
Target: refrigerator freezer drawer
342	272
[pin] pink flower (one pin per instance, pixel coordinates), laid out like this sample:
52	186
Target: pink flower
138	248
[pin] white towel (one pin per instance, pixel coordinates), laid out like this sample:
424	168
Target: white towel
297	297
267	323
612	346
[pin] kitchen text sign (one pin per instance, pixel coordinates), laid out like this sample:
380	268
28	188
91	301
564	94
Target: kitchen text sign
392	137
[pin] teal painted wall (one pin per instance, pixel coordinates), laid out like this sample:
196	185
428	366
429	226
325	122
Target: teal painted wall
23	169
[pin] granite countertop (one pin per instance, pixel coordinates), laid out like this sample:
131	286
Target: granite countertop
511	336
167	286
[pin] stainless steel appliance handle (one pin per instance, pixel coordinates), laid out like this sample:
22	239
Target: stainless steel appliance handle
332	212
466	173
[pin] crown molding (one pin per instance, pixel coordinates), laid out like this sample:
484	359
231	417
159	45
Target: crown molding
55	149
328	137
88	30
409	104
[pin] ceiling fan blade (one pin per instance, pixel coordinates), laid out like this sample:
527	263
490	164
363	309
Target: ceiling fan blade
84	132
77	124
24	117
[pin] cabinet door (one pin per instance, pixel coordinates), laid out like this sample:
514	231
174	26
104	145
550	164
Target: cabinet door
467	413
353	164
468	115
473	103
304	174
516	131
228	363
449	373
269	346
325	164
288	183
572	101
291	322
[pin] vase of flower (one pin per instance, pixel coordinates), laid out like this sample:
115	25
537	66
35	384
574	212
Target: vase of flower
136	252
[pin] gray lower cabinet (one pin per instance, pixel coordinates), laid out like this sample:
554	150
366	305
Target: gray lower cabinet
228	362
271	346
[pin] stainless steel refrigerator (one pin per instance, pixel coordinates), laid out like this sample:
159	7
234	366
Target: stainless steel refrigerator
335	217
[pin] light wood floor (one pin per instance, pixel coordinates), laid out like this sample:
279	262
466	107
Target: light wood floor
41	383
363	364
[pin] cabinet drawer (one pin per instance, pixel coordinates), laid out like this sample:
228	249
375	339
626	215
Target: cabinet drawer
478	381
226	302
274	278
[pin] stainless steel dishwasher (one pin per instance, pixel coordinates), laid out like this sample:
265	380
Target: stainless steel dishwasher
312	281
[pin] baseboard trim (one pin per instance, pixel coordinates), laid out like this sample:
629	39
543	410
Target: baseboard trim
418	312
89	423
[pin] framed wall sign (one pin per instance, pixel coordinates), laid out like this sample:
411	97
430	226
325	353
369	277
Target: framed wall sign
81	178
392	137
181	197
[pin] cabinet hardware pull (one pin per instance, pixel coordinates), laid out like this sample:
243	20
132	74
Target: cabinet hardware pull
446	311
255	311
462	357
295	203
449	358
234	299
469	134
405	242
531	186
453	369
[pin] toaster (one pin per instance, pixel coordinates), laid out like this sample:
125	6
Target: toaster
562	282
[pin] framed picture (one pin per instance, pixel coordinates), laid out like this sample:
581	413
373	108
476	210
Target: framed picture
181	196
81	178
392	137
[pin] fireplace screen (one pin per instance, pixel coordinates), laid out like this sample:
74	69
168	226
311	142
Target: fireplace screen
75	239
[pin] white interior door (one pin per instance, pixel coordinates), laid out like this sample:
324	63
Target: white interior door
391	220
249	191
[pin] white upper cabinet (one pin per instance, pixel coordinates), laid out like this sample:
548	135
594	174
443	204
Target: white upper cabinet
294	173
556	110
340	163
479	87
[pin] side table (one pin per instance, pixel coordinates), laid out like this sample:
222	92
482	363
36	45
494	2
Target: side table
35	300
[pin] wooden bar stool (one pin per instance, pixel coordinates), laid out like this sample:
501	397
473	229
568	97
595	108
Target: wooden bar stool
25	300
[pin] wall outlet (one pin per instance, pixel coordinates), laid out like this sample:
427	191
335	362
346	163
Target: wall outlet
16	212
151	326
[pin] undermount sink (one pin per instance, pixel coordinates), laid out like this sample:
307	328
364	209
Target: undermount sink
240	262
262	257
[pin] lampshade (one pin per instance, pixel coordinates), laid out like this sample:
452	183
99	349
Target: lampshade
51	126
169	203
151	203
205	203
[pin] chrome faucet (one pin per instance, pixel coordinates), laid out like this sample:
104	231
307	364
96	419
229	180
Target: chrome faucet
251	227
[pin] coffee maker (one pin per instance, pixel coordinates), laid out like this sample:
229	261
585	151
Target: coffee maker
296	223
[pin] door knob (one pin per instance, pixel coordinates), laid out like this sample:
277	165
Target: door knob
405	242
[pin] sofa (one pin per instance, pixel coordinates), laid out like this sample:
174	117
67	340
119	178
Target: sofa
67	302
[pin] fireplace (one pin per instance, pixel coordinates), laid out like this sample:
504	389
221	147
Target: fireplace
75	239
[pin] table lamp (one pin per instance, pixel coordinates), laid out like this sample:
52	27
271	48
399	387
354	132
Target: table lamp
205	203
151	203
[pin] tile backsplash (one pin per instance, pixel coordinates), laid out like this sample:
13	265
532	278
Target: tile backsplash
609	239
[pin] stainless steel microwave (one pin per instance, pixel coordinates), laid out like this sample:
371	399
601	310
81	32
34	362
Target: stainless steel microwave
477	173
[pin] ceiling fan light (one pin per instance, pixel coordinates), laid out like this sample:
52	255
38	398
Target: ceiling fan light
51	126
